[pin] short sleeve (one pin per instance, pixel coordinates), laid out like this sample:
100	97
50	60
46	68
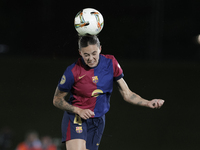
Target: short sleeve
118	72
67	80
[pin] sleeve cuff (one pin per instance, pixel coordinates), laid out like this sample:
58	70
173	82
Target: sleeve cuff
119	77
62	89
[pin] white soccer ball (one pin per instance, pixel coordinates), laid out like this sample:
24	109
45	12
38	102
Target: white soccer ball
88	21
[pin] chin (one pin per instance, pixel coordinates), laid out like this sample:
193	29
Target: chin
92	65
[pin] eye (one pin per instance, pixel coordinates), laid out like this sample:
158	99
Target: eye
94	53
86	55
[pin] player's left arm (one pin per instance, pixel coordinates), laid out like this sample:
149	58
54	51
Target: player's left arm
135	99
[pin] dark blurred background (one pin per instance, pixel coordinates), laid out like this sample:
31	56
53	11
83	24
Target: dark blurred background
157	43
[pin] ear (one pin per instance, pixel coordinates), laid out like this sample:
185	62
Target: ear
100	48
79	52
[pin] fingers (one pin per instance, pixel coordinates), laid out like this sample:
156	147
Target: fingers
86	114
157	103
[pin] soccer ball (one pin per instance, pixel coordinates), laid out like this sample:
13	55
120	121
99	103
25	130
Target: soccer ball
89	21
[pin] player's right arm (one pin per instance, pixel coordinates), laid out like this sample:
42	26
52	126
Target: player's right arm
59	102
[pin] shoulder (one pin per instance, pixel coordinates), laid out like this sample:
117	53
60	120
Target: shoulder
75	66
111	58
108	56
68	78
118	72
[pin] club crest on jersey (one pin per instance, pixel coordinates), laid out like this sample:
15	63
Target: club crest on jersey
95	79
79	129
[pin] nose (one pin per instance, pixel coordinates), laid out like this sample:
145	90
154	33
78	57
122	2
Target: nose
90	58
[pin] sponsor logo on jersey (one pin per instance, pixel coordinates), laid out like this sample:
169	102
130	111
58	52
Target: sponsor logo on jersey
95	79
97	92
79	129
63	80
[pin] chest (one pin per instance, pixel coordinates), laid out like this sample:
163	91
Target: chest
88	81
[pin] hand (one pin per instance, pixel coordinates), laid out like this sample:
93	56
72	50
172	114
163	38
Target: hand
85	113
155	103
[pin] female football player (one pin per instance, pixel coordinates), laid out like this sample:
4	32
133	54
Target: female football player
90	82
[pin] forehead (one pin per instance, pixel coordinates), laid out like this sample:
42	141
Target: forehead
90	49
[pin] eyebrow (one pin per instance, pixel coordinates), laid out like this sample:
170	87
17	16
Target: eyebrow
91	53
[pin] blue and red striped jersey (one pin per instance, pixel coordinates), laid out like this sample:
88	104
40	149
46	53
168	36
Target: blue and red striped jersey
91	88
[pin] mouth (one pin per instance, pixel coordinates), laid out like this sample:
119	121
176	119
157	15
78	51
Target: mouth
92	63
